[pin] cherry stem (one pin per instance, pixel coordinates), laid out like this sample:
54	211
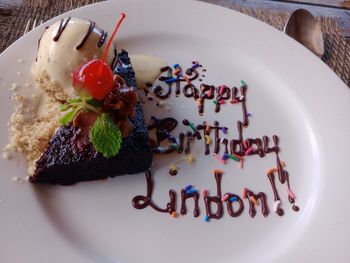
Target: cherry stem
122	16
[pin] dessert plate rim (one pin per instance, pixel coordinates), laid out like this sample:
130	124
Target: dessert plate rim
319	94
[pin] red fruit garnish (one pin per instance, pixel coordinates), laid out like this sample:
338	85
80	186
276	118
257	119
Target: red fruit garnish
96	77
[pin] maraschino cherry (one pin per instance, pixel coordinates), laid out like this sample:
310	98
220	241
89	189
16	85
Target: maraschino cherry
96	77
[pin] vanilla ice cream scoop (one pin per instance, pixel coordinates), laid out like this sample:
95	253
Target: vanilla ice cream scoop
64	46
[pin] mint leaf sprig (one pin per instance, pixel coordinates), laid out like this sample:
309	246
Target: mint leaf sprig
73	106
106	136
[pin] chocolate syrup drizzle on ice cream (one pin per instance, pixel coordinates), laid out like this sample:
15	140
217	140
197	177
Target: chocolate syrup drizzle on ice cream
63	25
166	142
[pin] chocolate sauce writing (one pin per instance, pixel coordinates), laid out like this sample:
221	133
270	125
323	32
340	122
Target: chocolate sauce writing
232	200
213	137
220	95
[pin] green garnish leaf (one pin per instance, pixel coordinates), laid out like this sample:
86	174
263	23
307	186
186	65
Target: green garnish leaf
86	103
65	107
74	100
106	136
65	119
93	102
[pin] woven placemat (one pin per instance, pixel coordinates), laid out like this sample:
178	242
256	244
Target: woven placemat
13	20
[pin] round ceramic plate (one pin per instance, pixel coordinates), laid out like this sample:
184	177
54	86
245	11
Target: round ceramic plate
291	93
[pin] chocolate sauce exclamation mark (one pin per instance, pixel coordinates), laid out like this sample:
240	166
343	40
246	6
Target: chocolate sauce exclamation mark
278	161
283	175
215	199
291	197
279	211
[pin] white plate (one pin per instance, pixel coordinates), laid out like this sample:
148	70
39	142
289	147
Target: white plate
291	93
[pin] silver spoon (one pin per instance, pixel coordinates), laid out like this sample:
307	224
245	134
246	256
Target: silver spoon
304	28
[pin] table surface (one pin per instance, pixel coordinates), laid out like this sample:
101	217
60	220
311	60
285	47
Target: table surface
336	9
335	3
329	3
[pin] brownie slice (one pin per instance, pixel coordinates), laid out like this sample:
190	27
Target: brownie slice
64	163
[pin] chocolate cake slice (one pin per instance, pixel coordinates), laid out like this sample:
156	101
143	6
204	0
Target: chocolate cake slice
63	162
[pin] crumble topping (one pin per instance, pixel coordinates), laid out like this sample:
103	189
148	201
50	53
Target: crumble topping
53	89
31	126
